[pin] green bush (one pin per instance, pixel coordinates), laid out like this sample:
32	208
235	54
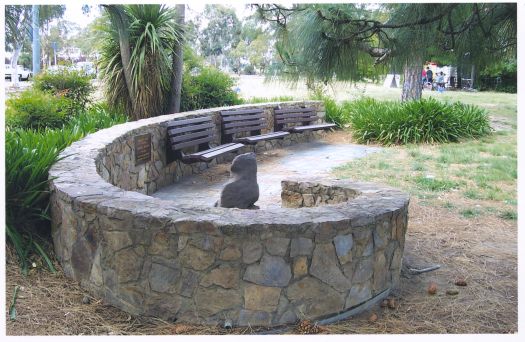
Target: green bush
207	89
74	85
28	156
34	109
422	121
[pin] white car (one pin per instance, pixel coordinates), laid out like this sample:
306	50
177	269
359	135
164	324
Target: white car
24	74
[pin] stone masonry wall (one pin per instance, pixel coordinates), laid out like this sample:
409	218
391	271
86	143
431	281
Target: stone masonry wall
116	164
205	265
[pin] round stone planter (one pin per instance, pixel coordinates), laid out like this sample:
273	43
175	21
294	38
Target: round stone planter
334	245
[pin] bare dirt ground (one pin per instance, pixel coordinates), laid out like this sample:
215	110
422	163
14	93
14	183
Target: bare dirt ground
481	251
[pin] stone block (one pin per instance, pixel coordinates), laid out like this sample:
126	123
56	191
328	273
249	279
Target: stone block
289	317
359	293
308	200
381	233
380	271
300	267
127	265
325	267
325	232
163	278
271	271
230	253
364	270
301	246
262	298
188	283
251	252
291	199
224	276
210	301
196	259
318	298
343	247
254	318
207	242
163	243
277	246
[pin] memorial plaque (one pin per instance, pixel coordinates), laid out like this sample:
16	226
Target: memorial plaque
142	148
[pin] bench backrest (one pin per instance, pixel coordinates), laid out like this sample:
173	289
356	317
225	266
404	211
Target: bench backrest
303	116
190	132
246	120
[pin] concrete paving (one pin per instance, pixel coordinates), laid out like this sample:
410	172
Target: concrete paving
307	159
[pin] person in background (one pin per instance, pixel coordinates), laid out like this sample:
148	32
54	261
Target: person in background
440	80
429	75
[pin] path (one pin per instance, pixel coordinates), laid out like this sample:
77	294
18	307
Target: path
307	159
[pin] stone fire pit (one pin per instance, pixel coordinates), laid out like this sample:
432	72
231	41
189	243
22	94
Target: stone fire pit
333	246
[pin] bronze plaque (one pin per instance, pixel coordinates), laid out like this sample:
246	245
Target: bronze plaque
142	148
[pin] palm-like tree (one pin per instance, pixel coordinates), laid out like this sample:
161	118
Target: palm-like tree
136	58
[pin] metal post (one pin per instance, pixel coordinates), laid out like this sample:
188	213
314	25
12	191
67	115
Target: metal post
36	40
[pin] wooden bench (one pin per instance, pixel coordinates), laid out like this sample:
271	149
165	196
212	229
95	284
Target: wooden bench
302	116
183	134
249	121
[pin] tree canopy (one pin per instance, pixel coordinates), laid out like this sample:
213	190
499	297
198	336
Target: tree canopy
341	41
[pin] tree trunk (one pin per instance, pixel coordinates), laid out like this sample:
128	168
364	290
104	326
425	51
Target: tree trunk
412	85
36	40
121	22
472	75
14	63
177	65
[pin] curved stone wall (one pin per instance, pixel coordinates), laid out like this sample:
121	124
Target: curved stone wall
339	244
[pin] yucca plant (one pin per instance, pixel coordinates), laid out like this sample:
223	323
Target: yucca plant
151	34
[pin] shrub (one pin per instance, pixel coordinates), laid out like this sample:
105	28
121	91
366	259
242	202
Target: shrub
29	154
207	89
34	109
422	121
74	85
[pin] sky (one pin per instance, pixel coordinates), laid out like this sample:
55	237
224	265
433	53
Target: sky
74	11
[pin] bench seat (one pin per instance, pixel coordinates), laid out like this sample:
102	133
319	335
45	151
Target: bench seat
195	132
210	154
298	129
261	137
298	120
246	121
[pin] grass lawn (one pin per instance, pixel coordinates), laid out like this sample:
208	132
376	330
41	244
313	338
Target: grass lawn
462	216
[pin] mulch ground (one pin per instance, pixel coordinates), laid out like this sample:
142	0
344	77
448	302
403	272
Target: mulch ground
482	252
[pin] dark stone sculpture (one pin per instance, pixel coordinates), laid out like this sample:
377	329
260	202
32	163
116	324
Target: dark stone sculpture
243	191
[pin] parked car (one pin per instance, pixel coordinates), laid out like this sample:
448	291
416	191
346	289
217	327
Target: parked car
24	74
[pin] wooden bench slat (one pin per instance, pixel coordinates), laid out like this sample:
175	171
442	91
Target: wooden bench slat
295	120
295	115
192	143
255	138
216	148
190	128
208	155
240	112
299	129
176	123
242	117
244	123
243	129
294	110
189	136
